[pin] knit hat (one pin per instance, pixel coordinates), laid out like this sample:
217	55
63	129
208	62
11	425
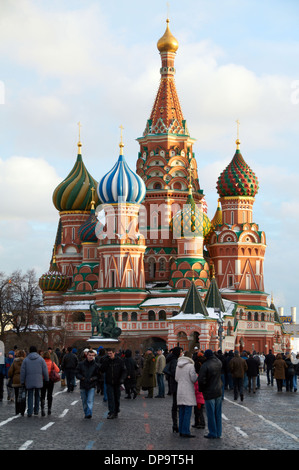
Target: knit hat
209	353
176	351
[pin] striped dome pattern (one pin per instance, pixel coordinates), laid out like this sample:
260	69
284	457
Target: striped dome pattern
121	185
54	280
87	231
74	192
190	222
237	179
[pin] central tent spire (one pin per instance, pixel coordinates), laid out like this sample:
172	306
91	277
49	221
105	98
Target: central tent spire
167	116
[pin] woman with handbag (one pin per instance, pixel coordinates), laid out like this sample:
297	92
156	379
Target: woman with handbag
48	386
14	375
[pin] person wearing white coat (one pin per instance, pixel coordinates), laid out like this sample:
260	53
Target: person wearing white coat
185	376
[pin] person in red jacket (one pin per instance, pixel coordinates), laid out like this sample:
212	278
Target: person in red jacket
48	386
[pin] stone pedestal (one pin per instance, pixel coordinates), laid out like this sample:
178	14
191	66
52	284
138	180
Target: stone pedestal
96	341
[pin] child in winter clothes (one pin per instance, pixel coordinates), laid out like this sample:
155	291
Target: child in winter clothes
199	420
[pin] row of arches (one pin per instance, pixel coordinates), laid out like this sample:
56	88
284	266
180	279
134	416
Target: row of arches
151	315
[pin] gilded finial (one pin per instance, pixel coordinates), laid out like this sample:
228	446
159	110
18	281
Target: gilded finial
54	254
121	144
238	129
212	270
190	180
79	142
92	199
167	43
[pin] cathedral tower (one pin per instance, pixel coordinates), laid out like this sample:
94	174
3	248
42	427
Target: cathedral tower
237	245
121	245
73	198
165	156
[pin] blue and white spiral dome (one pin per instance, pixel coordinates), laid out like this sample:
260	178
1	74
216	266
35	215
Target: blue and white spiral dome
121	185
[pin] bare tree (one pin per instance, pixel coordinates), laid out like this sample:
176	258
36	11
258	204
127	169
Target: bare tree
20	299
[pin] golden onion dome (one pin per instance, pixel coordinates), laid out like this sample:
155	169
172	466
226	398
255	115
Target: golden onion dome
167	43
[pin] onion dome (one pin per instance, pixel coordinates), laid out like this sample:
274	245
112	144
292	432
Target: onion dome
217	219
191	221
167	43
74	192
121	184
54	280
237	179
87	231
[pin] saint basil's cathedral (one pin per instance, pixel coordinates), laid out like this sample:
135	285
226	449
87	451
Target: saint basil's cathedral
139	245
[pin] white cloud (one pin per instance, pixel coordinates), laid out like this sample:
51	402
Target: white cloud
26	188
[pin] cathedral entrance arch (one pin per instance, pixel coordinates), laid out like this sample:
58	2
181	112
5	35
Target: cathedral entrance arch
155	343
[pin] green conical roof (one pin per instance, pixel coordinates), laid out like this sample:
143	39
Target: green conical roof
193	302
213	298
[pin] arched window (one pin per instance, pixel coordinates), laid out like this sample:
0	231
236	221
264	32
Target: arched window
162	264
78	316
125	316
151	315
162	315
134	316
152	267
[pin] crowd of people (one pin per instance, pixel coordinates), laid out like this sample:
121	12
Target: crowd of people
196	380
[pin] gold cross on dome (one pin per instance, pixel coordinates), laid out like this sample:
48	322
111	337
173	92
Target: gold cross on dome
190	178
121	145
238	131
79	125
238	128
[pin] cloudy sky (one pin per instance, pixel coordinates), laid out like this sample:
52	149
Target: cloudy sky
96	62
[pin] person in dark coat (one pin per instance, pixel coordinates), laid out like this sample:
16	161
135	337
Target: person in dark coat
33	373
171	364
139	361
2	372
290	372
238	367
210	384
88	372
130	380
279	367
148	381
229	385
115	373
252	373
269	361
68	366
8	363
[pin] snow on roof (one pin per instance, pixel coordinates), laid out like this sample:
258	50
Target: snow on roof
156	301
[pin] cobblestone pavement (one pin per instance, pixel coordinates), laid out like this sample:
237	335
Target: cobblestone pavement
266	420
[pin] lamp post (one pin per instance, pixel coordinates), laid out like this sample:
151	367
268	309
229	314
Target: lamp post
220	326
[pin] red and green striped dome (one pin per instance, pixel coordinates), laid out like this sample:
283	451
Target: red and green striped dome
237	179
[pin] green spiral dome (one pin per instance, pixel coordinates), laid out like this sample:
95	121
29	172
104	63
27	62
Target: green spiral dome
74	192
